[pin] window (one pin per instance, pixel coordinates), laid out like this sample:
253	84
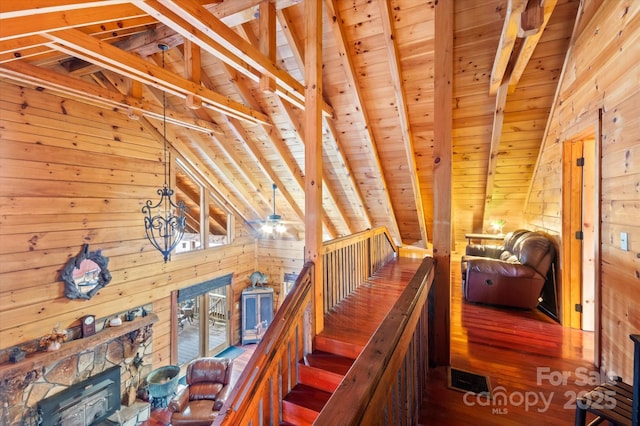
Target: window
208	222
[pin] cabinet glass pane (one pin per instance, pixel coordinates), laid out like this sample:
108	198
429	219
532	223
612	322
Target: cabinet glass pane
266	309
249	314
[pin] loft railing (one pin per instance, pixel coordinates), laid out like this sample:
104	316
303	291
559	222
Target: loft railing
385	385
349	261
272	370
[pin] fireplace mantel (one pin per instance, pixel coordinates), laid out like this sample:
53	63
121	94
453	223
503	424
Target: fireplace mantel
38	360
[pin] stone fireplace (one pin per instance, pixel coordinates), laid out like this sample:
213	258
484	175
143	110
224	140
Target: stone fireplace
90	401
125	349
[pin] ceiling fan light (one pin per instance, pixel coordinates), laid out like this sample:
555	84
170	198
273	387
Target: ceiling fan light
280	228
267	228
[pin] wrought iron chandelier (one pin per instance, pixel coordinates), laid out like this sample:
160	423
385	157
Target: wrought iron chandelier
166	228
274	221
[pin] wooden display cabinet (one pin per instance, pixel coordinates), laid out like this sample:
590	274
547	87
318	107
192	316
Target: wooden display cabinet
257	313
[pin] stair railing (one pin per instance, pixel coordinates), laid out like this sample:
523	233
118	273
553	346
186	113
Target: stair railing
386	383
272	370
349	261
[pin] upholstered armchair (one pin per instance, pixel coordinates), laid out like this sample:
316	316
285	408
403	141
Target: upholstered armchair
208	385
512	274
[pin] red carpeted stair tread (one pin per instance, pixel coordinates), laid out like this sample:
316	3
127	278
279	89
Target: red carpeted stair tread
308	397
330	362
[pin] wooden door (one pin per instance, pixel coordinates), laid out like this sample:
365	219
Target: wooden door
581	230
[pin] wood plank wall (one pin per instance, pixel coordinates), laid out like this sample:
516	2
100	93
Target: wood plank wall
72	173
279	257
603	72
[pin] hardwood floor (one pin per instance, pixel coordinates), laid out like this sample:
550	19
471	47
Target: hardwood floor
535	366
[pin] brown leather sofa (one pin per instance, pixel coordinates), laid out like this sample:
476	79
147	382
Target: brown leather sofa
208	385
511	274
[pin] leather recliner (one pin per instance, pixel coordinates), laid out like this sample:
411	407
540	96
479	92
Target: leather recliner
509	275
208	385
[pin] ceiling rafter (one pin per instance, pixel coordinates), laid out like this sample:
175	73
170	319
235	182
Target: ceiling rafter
264	164
283	150
219	177
35	46
70	87
328	225
267	40
298	55
350	73
236	161
332	132
496	133
16	8
198	24
81	45
506	43
272	132
327	189
523	26
393	56
178	146
55	21
185	151
532	36
222	170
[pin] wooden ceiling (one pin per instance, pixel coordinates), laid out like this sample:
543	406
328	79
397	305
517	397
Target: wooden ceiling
234	82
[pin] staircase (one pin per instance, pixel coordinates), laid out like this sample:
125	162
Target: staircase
319	374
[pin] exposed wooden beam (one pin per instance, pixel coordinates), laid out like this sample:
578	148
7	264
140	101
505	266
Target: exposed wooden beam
272	133
22	26
312	152
506	43
18	8
35	46
442	178
81	45
183	151
496	135
69	87
283	149
338	32
204	21
267	40
237	12
363	213
193	71
218	174
242	59
296	124
393	57
531	41
264	165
